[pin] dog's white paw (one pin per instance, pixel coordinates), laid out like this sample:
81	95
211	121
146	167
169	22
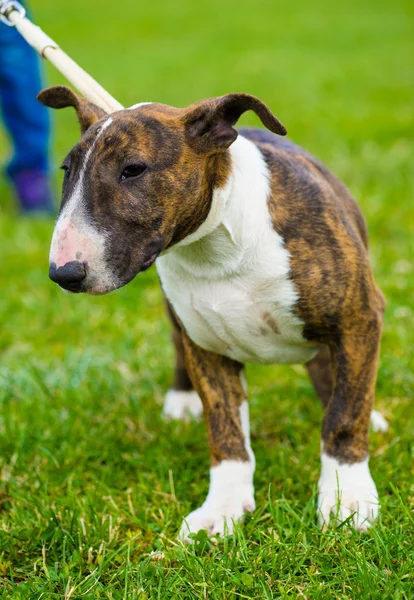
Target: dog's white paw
231	495
346	490
217	519
184	405
378	423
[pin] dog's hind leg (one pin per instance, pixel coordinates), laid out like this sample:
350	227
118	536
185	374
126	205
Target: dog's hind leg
346	487
181	401
221	384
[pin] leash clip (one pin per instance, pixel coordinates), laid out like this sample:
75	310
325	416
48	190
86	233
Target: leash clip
8	6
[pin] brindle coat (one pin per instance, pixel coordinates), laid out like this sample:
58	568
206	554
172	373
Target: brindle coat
320	223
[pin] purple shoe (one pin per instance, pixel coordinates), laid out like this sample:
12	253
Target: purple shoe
33	191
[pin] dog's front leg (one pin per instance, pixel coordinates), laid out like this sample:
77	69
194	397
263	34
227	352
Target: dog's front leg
221	385
346	488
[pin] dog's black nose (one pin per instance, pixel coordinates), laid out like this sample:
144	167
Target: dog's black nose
70	276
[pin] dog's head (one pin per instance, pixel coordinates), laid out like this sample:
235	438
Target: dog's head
139	181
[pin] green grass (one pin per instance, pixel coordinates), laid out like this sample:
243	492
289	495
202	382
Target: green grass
92	480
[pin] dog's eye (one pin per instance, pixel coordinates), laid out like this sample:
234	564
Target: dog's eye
67	170
132	171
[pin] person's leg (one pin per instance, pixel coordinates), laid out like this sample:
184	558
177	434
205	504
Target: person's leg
26	120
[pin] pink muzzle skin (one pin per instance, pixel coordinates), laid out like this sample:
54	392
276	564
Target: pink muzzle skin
70	244
77	260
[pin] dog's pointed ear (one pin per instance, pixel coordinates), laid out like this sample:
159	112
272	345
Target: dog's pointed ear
61	96
209	124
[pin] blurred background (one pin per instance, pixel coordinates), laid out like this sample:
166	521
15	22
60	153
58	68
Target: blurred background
82	378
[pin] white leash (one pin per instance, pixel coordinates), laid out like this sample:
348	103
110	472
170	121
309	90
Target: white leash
13	14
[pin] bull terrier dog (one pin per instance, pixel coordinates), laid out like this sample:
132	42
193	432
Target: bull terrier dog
263	258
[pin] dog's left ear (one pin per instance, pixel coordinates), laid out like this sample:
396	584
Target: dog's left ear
209	124
61	96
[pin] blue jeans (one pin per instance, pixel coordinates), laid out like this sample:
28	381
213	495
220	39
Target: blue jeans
26	120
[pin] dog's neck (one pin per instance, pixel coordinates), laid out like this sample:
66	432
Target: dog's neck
232	228
220	197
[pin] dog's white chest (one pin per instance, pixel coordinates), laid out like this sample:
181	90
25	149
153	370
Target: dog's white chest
231	288
246	316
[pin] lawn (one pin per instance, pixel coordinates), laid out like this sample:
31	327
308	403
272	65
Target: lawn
94	483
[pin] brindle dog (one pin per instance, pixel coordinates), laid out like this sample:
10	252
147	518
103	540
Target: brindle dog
263	257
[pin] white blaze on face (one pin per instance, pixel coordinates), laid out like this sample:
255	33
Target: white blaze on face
134	106
74	237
